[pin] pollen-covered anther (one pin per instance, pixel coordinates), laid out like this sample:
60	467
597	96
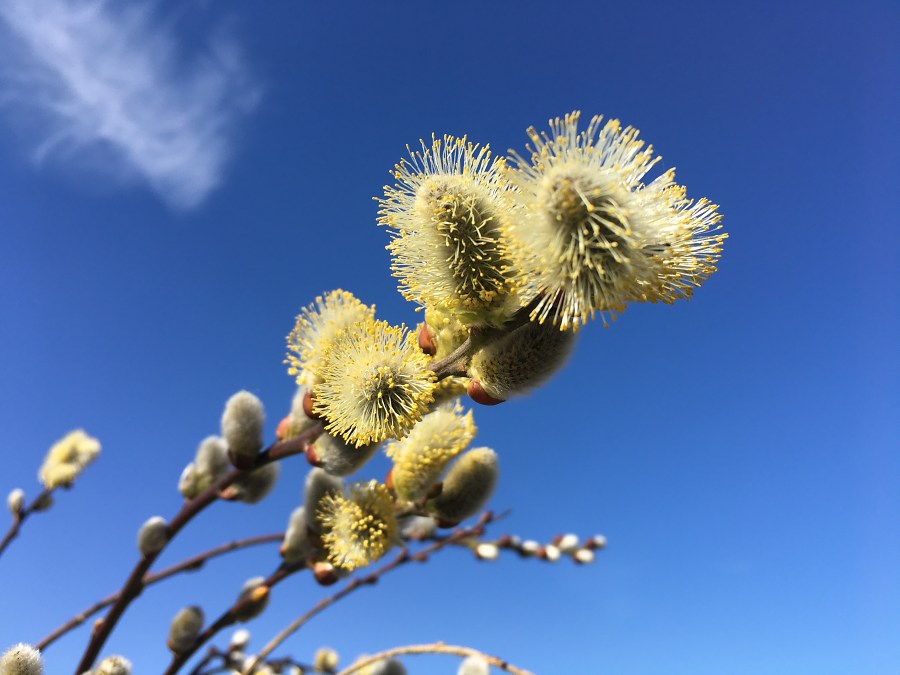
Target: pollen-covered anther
359	527
476	392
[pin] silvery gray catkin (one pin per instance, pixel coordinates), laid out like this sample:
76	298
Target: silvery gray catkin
242	428
185	628
467	486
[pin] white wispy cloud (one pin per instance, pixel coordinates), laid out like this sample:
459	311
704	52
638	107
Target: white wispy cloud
106	80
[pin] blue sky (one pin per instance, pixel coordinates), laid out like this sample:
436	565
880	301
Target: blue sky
178	179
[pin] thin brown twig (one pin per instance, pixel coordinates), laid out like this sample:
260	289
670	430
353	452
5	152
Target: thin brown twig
22	516
229	616
370	579
134	583
190	564
435	648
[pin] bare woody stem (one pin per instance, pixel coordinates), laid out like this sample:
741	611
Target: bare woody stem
436	648
370	579
134	584
188	565
229	616
20	518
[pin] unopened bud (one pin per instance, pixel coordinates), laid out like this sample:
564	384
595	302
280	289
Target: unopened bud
211	461
187	483
239	640
478	394
529	547
566	543
521	359
253	598
15	502
113	665
474	665
296	545
551	553
338	458
384	667
486	551
325	660
583	556
185	628
152	536
319	484
426	342
21	659
253	486
467	486
325	573
242	428
298	420
598	541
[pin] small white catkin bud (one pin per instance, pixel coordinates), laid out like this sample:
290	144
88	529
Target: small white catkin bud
187	482
529	547
296	545
474	665
598	541
257	596
242	426
239	640
15	502
319	484
21	659
325	660
185	628
522	359
340	459
567	543
254	486
114	665
584	556
152	536
467	486
487	551
211	461
551	553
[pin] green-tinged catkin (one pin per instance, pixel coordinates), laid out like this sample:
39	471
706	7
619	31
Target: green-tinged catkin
338	458
296	545
253	486
15	502
420	457
185	628
522	359
152	536
210	463
467	486
242	428
21	659
113	665
68	458
325	660
319	485
253	598
474	665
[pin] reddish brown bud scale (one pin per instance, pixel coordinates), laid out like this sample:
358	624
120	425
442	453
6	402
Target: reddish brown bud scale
426	342
242	462
389	479
230	493
312	457
308	405
505	541
324	574
283	427
479	395
445	524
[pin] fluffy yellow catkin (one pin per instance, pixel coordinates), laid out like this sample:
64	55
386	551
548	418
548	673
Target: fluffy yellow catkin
591	236
68	458
360	527
449	213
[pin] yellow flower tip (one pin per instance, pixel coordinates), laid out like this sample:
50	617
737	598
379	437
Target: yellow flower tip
316	326
360	526
375	383
420	458
68	458
593	237
449	212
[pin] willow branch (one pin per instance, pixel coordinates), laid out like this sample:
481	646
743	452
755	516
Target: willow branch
20	518
370	579
436	648
188	565
134	583
229	616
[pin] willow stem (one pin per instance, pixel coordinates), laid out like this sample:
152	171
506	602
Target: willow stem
436	648
134	583
20	518
403	557
190	564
